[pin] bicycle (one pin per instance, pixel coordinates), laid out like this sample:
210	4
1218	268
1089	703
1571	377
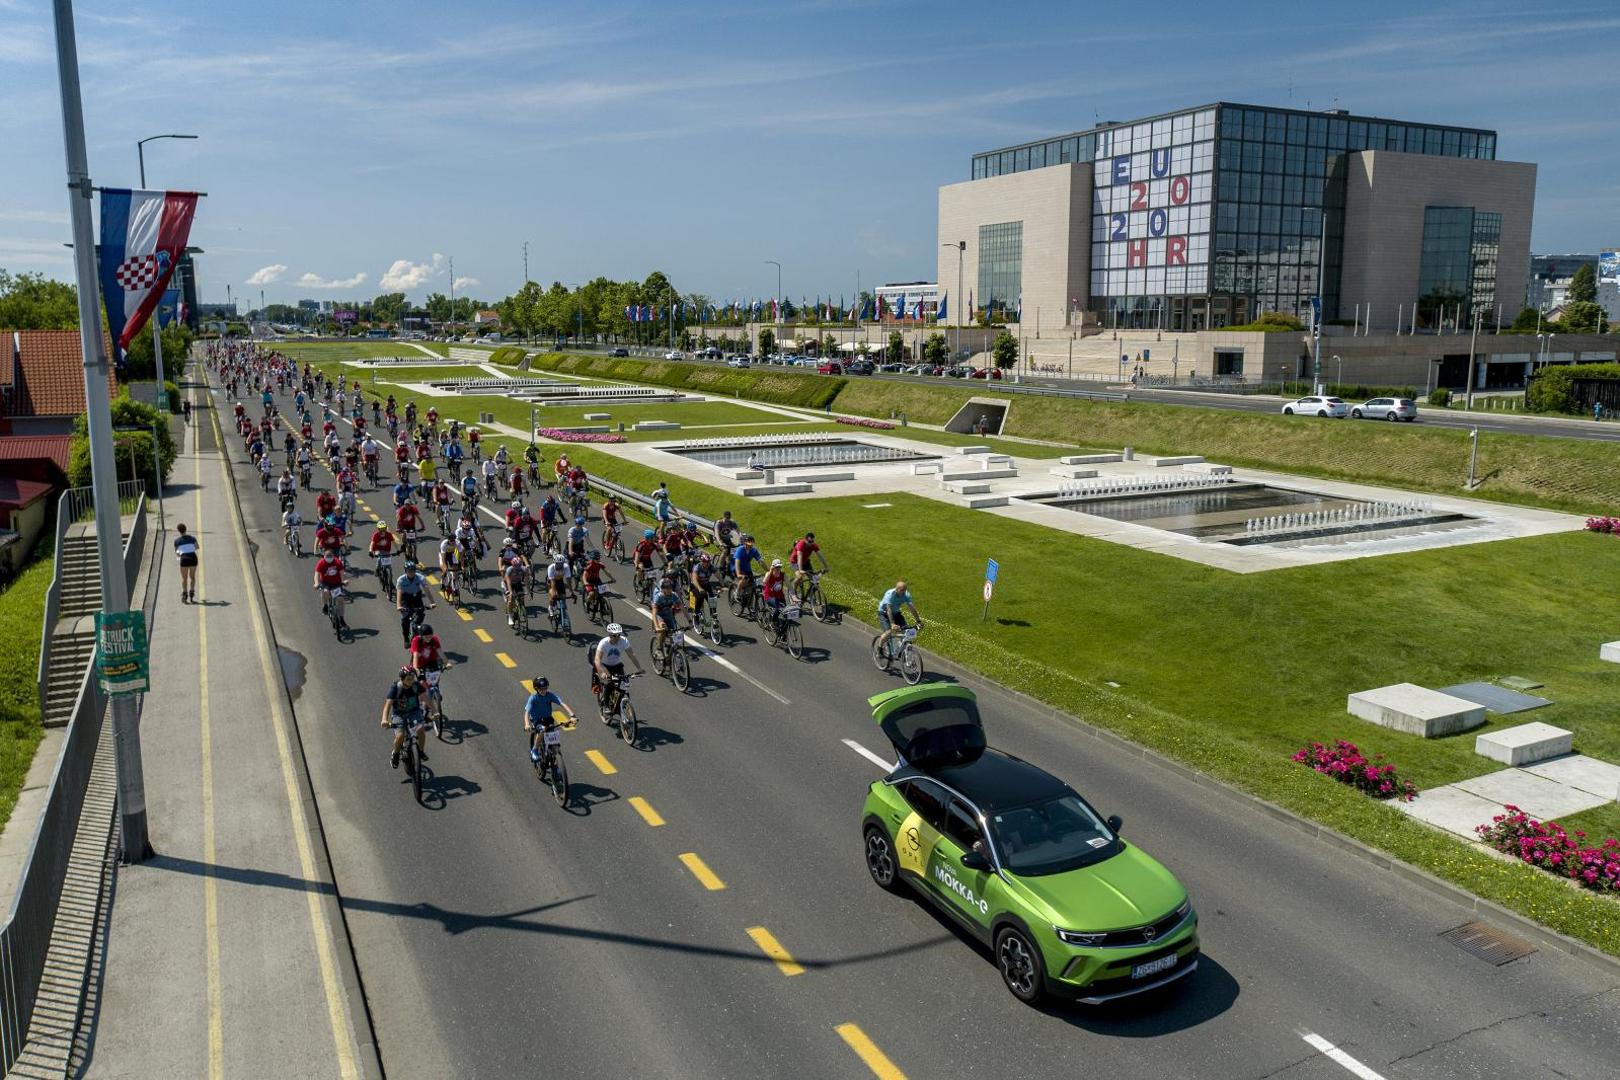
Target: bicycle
901	647
744	601
411	756
407	544
643	584
558	612
706	619
551	769
371	471
385	576
784	630
517	612
672	660
334	612
450	585
615	709
435	702
813	598
613	543
295	541
597	608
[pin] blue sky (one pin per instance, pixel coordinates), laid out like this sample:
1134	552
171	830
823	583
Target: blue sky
353	147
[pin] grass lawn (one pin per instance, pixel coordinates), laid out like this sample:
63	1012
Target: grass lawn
315	351
402	373
22	607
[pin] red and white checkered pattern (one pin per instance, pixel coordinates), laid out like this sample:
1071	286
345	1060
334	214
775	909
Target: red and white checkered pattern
137	273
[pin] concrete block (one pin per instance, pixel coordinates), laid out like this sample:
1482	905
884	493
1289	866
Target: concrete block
656	425
971	487
1208	468
1416	710
1074	472
923	468
1610	651
1190	459
818	477
982	474
984	502
1525	744
972	449
598	416
1089	459
745	474
774	489
585	429
995	461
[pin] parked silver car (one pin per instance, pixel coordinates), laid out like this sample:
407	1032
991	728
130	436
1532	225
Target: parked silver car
1318	406
1386	408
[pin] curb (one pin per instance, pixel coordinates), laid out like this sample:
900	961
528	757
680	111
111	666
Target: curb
353	987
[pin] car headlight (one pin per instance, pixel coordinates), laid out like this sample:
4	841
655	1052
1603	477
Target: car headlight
1075	937
1184	910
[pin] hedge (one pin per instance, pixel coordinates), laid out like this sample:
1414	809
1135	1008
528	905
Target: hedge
773	387
508	356
1552	389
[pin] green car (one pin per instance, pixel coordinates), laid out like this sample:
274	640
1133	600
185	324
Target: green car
1067	907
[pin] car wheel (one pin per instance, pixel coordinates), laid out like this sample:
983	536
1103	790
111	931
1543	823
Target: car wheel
880	860
1288	412
1391	415
1322	413
1355	414
1020	965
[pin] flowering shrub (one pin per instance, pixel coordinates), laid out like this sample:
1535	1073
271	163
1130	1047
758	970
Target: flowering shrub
1547	845
1344	762
579	436
1604	524
858	421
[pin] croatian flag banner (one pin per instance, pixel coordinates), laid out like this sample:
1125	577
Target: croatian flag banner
143	234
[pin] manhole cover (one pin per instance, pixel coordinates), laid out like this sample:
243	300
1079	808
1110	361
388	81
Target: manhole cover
1488	943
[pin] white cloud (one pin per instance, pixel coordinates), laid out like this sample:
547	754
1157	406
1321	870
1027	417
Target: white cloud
265	275
314	281
465	282
404	275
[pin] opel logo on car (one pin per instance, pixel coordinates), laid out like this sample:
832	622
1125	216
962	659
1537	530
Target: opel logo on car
1148	933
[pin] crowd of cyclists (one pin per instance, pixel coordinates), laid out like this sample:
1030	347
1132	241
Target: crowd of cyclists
444	477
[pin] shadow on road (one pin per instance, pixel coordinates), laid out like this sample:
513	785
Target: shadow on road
582	797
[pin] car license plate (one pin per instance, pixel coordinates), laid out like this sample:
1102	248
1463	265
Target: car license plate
1153	967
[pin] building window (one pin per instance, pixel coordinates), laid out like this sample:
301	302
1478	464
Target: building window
1482	254
1445	273
1001	267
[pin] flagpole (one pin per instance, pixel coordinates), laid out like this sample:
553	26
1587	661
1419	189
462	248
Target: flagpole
98	409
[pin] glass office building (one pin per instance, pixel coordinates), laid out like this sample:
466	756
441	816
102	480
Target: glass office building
1209	216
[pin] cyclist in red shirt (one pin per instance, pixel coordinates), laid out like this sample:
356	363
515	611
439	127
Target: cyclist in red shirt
804	549
329	537
325	503
427	652
329	579
516	484
674	543
432	417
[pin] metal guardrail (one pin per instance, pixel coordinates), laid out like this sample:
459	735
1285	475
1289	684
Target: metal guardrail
631	497
25	939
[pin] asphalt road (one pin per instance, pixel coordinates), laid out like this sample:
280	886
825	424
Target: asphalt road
499	935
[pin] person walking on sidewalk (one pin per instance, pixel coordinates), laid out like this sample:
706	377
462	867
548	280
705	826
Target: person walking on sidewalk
185	549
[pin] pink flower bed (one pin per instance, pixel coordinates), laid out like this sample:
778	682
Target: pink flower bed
579	436
1604	524
1344	762
857	421
1547	845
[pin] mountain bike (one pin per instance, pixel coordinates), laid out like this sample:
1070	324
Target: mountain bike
334	612
744	599
385	576
813	598
517	611
901	648
613	543
615	708
295	541
706	620
550	768
558	613
643	578
784	630
371	471
597	608
672	660
435	702
411	756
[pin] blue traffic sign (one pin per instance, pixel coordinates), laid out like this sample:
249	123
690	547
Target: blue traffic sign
990	570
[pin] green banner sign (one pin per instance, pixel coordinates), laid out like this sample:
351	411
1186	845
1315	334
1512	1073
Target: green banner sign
121	654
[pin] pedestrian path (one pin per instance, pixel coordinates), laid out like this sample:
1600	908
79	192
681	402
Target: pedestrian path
226	953
1547	790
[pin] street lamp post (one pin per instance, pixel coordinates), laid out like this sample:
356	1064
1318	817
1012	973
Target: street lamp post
157	328
1340	361
773	262
961	248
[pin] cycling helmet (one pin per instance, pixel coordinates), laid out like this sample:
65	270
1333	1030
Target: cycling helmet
809	536
648	534
579	519
559	559
593	554
615	630
705	558
407	672
541	682
776	564
517	504
748	538
424	630
410	566
691	526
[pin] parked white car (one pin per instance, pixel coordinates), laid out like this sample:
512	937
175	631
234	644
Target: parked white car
1318	406
674	354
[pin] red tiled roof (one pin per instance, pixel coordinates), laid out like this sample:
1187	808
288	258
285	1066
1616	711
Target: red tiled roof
16	494
54	448
50	373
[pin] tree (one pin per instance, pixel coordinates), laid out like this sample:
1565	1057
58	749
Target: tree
935	349
438	307
133	421
767	341
138	361
1581	317
34	302
1004	353
897	345
1526	321
1583	286
388	308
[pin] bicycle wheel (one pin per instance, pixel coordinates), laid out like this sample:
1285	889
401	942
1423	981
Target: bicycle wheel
737	602
660	657
559	779
680	671
414	763
714	631
911	664
880	656
817	603
607	612
794	638
627	722
438	715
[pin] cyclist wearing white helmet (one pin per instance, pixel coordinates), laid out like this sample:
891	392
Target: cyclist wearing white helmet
607	657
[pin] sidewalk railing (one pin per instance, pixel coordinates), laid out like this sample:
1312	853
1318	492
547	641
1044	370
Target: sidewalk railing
25	939
53	606
75	503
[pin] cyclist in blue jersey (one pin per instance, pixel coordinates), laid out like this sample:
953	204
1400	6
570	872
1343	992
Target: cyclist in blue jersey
539	713
891	611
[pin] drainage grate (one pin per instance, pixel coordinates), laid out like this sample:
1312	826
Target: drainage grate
1488	943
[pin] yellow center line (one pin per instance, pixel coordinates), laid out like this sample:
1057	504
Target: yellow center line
483	635
527	684
597	758
772	948
466	616
216	1016
701	871
644	808
867	1051
506	661
431	580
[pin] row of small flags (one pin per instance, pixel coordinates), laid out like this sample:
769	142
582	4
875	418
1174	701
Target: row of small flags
881	308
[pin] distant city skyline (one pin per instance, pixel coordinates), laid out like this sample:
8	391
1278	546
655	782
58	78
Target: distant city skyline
347	155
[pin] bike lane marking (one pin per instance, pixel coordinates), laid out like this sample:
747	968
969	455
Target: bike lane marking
216	1016
648	814
867	1051
483	635
603	765
506	661
1339	1057
867	754
772	948
701	871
